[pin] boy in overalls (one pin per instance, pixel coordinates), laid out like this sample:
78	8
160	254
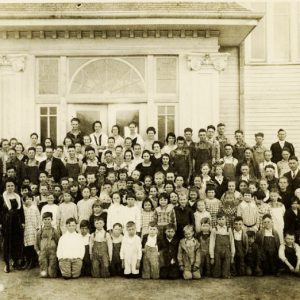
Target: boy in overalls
100	250
221	248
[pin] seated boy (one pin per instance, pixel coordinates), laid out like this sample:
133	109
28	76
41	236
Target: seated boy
70	251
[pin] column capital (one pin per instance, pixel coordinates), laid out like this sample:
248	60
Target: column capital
14	62
197	61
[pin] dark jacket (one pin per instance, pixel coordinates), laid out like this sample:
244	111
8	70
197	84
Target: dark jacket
260	239
277	150
184	216
58	169
292	221
169	251
158	242
294	183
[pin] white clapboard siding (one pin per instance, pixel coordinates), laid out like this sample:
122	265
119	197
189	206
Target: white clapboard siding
272	101
229	93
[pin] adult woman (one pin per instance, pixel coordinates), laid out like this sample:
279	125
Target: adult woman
115	132
165	167
67	142
146	167
128	162
19	153
253	166
156	157
98	138
150	138
32	166
13	220
49	143
40	154
170	143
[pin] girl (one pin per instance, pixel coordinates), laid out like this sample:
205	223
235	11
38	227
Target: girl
200	186
165	165
193	198
19	153
51	207
84	206
170	143
283	165
164	214
252	187
212	204
147	184
229	209
219	180
200	214
277	211
205	169
174	198
147	216
153	195
67	142
12	221
115	212
263	186
32	225
49	143
81	179
231	189
67	209
115	130
243	186
146	167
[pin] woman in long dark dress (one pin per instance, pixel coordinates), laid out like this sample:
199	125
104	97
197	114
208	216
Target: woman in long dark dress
12	221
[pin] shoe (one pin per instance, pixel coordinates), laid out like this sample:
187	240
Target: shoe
6	269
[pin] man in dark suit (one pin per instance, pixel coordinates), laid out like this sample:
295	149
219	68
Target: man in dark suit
277	147
293	176
53	166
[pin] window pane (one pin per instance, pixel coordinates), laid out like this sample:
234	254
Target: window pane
170	123
53	110
258	35
43	110
44	128
161	129
170	110
53	128
86	120
281	36
161	110
166	75
124	117
48	76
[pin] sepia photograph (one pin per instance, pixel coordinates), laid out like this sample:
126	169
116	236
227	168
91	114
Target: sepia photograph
149	150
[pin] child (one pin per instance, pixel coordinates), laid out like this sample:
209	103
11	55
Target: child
277	211
174	198
289	254
268	242
94	191
132	213
32	224
189	254
262	207
184	215
153	195
164	214
219	180
159	180
105	194
70	251
212	204
66	210
205	170
292	219
116	237
168	256
193	198
85	235
231	189
100	250
151	245
264	187
247	209
201	187
131	251
53	208
252	258
241	247
179	181
85	205
147	216
46	246
221	248
41	200
204	238
199	214
229	208
115	212
98	211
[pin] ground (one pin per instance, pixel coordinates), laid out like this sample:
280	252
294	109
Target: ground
27	285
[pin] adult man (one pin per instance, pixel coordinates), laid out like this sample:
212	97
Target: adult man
210	133
277	147
53	166
293	176
229	162
75	134
202	153
221	138
240	146
189	143
259	149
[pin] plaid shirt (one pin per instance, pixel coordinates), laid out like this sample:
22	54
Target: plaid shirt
165	216
213	206
147	217
230	213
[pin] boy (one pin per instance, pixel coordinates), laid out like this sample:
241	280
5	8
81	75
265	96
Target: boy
221	248
292	219
189	255
98	211
204	238
131	252
184	215
266	162
268	242
151	245
70	251
262	207
241	247
116	237
252	258
289	254
85	235
100	250
247	209
168	256
46	244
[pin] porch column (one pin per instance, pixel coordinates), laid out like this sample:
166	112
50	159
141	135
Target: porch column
199	104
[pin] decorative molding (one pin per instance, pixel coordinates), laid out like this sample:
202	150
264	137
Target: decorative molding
15	62
197	61
94	34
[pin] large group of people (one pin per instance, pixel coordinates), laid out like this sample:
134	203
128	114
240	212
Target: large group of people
102	206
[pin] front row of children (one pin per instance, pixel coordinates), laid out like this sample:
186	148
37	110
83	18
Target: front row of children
217	252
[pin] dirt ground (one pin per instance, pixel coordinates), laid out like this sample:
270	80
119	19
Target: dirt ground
27	285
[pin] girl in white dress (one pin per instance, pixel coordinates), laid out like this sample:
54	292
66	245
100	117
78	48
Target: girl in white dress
115	212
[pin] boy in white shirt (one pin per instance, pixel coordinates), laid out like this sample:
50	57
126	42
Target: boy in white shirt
70	251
